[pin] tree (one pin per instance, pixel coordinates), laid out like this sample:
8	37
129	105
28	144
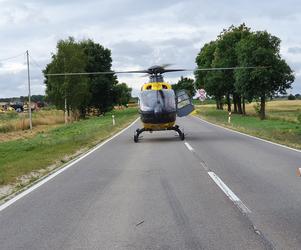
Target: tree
122	94
186	84
291	97
262	49
38	98
81	92
101	87
225	56
210	81
69	57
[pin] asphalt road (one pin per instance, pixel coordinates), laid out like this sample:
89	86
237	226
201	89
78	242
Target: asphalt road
216	190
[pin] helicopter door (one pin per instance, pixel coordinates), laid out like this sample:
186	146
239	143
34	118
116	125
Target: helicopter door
184	103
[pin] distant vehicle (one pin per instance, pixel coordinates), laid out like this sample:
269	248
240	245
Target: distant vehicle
33	107
18	107
40	104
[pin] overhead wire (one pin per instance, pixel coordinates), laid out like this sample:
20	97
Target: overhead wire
12	57
35	63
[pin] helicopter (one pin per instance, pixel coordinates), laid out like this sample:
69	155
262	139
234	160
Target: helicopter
159	105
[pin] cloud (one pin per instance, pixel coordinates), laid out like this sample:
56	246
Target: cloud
139	33
12	68
294	50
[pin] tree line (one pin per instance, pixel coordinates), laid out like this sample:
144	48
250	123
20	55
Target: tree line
82	93
233	47
240	47
34	98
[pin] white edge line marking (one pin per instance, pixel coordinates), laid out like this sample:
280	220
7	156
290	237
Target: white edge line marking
229	193
188	146
251	136
51	176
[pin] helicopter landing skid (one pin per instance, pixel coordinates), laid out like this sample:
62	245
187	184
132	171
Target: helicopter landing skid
174	128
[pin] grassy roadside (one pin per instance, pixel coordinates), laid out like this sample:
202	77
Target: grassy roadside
56	146
275	128
12	121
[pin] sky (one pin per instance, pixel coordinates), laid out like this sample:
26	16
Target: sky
138	33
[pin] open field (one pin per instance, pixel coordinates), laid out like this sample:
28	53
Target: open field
55	146
12	121
280	110
281	125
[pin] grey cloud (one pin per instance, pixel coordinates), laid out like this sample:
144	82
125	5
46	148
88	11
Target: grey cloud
175	51
294	50
139	33
129	53
133	48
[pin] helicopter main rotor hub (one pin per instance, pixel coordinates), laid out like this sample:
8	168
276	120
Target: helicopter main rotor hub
156	78
154	70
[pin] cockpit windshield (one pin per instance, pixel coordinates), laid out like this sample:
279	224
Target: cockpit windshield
158	101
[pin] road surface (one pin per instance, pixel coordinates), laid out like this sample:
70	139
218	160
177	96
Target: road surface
216	190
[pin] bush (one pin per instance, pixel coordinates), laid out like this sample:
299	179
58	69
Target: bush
299	117
256	107
291	97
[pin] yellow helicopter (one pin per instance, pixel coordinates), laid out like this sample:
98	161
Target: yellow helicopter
159	105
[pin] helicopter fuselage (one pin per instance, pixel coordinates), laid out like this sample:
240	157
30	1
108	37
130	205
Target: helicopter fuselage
157	106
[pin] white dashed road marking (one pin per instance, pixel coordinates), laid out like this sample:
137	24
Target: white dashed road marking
228	192
188	146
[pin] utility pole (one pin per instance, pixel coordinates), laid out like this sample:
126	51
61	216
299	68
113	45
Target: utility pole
66	117
29	92
66	114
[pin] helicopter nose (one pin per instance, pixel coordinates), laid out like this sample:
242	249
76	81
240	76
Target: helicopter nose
158	109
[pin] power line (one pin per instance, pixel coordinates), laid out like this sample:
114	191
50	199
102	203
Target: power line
12	57
35	63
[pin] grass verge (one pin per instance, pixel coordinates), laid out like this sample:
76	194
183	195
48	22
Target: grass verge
55	147
274	129
12	121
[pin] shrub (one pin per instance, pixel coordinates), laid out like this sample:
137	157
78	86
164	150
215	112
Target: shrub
291	97
299	117
256	107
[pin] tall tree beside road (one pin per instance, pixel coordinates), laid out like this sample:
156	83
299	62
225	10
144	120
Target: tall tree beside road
262	49
101	87
225	56
122	94
81	91
239	47
211	81
69	57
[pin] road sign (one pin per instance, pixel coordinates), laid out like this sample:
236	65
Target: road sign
202	94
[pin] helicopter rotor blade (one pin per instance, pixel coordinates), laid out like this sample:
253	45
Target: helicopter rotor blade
174	70
97	73
148	71
229	68
131	72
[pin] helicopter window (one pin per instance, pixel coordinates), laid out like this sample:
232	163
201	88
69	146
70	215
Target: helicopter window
163	100
149	87
164	86
182	99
